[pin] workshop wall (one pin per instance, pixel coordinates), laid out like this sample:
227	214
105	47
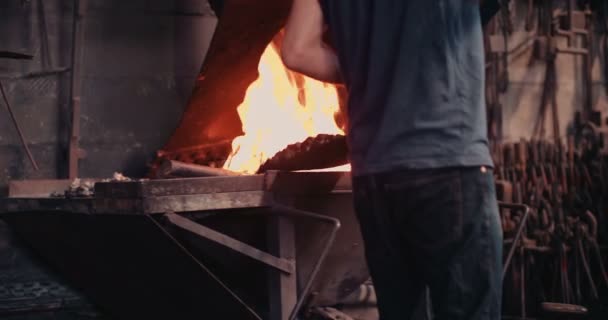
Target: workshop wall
522	102
140	60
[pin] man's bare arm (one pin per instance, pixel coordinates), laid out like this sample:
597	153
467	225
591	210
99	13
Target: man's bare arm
303	49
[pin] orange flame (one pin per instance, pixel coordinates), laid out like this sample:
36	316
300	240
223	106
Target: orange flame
280	108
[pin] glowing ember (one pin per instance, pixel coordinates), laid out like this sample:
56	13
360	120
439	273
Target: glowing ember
280	108
345	167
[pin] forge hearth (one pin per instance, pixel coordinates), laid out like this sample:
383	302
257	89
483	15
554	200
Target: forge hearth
325	193
243	52
203	248
318	152
249	246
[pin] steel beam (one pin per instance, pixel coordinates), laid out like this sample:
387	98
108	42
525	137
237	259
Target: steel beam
281	264
283	288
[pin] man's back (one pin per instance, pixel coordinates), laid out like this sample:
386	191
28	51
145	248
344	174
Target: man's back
423	193
415	74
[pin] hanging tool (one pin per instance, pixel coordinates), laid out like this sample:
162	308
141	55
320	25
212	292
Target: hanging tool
17	127
15	55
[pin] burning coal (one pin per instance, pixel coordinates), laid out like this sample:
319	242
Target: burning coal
281	108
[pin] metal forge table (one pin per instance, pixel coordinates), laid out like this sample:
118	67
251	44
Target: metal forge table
309	259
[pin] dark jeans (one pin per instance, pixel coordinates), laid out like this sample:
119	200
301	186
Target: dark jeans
437	228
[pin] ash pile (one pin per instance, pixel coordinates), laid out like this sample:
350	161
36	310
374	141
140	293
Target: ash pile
85	188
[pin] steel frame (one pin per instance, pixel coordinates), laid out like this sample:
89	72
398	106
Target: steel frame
283	284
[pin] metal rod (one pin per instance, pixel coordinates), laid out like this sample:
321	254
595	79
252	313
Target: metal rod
44	37
170	168
76	86
18	128
518	234
570	8
577	278
335	224
596	249
173	152
202	266
567	289
238	246
15	55
522	283
575	51
592	286
562	270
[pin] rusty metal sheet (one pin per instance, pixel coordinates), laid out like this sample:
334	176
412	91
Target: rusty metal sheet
278	182
212	193
307	183
183	186
183	203
211	201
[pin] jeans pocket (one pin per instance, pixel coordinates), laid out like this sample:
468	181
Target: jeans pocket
428	209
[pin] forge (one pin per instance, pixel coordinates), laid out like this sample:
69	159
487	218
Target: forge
238	230
246	106
244	207
240	247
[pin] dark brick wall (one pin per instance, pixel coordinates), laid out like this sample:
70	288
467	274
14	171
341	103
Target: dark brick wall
140	61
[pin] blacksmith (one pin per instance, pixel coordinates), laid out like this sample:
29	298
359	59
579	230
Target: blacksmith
422	173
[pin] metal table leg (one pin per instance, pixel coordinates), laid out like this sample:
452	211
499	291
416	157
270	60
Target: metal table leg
283	287
285	302
335	226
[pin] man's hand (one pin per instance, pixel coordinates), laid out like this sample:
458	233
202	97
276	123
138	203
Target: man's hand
303	48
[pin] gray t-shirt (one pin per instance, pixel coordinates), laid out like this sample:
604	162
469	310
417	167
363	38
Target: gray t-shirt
415	74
